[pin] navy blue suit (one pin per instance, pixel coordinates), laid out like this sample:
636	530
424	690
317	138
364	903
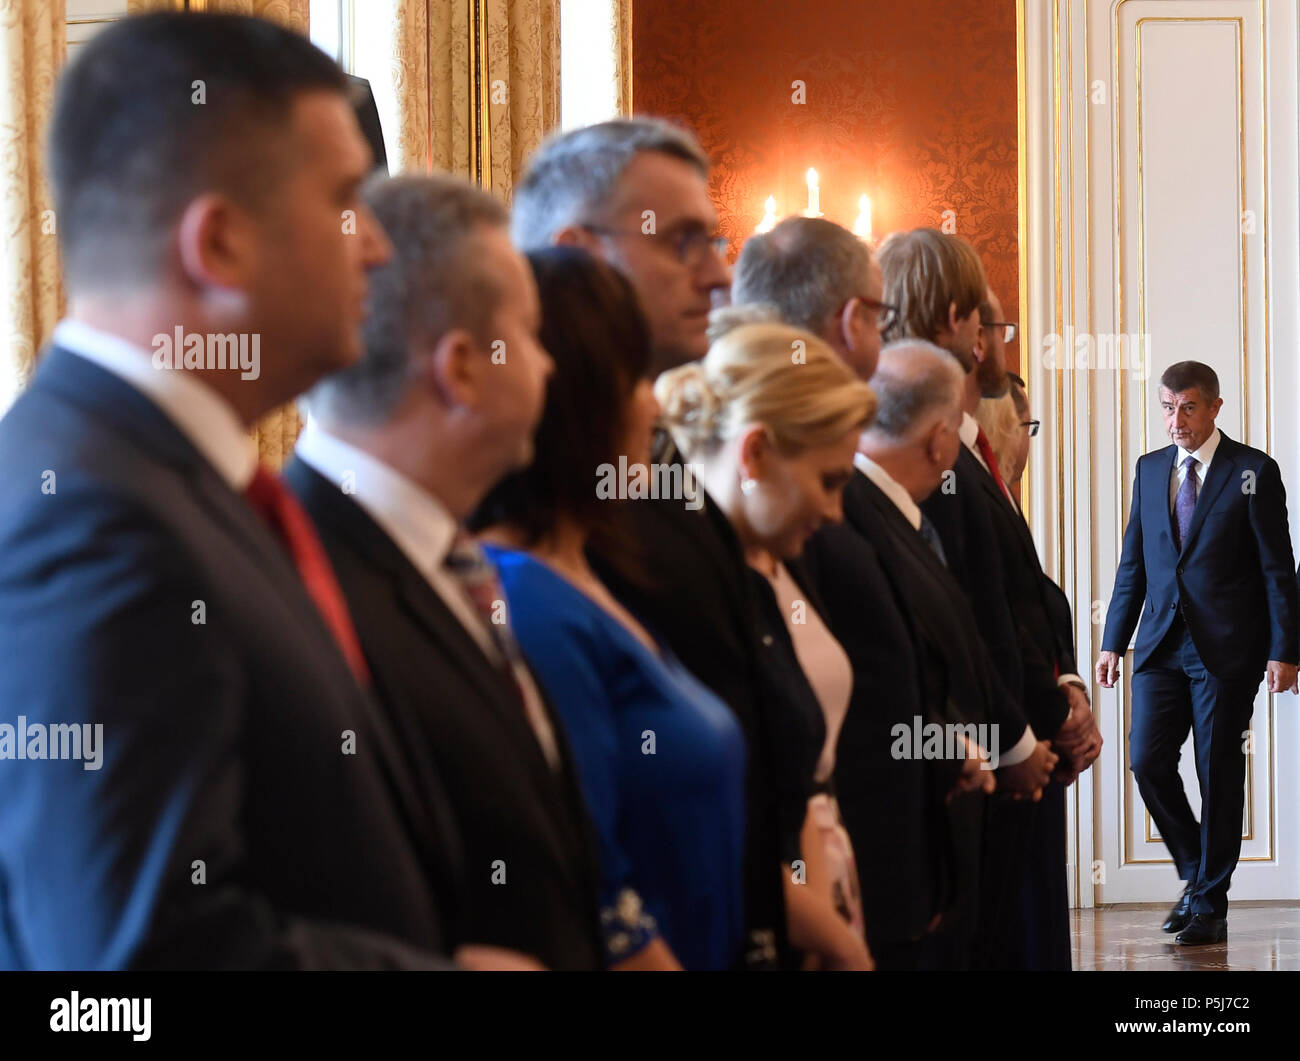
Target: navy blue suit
227	825
1213	614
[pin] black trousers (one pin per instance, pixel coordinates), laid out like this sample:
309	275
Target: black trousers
1173	694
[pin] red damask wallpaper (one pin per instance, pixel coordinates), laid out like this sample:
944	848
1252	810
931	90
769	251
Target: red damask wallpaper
912	103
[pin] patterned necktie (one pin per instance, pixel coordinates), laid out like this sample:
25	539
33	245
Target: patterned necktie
931	538
271	499
990	458
1185	502
477	576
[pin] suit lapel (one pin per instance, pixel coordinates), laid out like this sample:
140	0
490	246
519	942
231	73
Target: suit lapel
341	515
1156	489
1221	469
133	415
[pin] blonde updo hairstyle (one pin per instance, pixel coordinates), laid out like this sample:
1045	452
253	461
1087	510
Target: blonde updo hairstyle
772	374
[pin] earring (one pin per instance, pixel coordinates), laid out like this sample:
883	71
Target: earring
748	486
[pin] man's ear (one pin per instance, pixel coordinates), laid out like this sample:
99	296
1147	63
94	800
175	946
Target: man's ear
934	442
215	243
449	369
577	236
1214	409
846	318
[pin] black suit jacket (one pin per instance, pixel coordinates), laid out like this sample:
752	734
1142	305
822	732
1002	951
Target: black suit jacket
1232	579
1045	635
892	806
228	825
699	598
447	699
960	514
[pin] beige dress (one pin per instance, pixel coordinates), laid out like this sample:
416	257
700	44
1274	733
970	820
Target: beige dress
829	672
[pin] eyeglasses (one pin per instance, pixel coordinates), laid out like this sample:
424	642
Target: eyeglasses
690	245
1033	426
1009	329
886	314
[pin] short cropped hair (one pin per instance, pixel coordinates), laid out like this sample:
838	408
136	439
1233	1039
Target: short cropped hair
1184	375
573	174
131	142
925	271
434	282
913	379
807	267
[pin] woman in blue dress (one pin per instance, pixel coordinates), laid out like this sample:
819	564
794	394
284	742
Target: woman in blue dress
661	759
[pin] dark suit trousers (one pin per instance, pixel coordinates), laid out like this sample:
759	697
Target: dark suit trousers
1173	694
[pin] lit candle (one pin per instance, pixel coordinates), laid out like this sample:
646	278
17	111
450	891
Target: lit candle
769	217
862	226
814	195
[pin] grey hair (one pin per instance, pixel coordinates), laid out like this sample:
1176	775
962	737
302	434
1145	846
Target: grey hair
575	173
727	318
435	282
807	267
913	380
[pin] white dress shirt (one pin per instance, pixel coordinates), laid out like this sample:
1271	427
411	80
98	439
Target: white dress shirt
422	528
202	415
1203	457
891	488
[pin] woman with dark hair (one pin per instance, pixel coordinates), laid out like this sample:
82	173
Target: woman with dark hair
661	759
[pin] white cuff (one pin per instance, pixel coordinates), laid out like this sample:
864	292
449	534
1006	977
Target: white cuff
1023	749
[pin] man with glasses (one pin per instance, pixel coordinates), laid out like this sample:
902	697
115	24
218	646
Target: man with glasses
635	192
817	275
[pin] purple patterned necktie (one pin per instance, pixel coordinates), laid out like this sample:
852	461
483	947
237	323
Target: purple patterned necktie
1185	502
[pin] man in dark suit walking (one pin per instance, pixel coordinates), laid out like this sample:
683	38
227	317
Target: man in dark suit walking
1207	567
399	450
248	806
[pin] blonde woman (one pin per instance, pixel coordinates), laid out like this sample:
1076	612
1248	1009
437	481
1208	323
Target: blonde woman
770	420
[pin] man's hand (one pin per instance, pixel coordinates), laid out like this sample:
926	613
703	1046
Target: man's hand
1078	741
1281	677
1027	778
1107	669
975	776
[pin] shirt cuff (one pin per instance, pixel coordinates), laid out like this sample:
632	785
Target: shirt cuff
1071	679
1022	750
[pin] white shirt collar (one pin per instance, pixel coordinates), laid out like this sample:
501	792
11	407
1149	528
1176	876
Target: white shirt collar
891	488
1203	455
416	520
199	412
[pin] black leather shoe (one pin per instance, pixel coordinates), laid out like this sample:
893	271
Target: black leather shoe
1180	913
1203	929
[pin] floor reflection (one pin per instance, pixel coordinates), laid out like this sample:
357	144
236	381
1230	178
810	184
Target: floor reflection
1261	935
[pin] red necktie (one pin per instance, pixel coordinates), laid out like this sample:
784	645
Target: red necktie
272	501
986	451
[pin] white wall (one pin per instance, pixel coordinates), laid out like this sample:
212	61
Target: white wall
1162	186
